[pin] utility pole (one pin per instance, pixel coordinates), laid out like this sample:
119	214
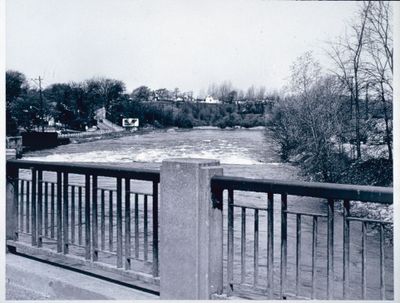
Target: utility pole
39	79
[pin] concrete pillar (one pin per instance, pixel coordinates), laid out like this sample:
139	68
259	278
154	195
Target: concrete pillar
11	199
190	250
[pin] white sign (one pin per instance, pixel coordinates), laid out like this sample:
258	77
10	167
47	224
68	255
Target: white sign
130	122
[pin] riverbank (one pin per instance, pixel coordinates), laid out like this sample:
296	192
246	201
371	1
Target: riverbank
374	169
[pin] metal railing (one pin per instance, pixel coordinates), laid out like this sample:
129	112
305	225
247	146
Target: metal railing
335	267
108	215
89	211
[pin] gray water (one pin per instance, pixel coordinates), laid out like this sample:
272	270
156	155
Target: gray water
252	154
249	148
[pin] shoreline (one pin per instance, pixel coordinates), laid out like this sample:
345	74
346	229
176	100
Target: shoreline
142	131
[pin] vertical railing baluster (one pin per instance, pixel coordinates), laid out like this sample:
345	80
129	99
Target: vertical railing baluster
283	245
73	214
363	260
298	251
39	208
102	221
28	207
330	226
52	210
346	247
230	240
65	220
80	215
155	229
270	246
110	221
243	247
136	226
59	212
46	209
128	223
21	206
145	228
314	254
95	232
119	222
382	261
255	280
12	178
33	208
87	217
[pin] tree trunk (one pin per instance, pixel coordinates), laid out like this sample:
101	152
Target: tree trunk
387	129
351	104
357	104
366	103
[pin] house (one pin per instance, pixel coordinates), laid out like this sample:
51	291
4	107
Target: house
210	99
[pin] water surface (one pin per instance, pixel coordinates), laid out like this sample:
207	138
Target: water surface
243	153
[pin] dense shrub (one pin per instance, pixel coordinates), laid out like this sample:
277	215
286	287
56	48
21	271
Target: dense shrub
185	115
377	172
184	120
252	120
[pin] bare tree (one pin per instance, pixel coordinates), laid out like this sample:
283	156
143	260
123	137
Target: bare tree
251	93
213	90
223	91
308	124
347	56
240	95
261	92
380	27
305	71
176	93
379	67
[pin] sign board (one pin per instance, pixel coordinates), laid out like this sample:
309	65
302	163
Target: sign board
130	122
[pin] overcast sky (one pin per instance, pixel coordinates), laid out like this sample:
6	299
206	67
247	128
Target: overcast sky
173	43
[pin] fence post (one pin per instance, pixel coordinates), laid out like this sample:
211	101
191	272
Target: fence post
11	199
190	230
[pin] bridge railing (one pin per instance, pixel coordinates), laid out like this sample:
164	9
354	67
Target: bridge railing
314	242
319	247
94	212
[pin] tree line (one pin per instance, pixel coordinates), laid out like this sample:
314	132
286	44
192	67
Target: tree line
73	105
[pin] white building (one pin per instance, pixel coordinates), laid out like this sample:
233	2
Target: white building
210	99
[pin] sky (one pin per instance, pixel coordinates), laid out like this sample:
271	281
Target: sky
169	43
